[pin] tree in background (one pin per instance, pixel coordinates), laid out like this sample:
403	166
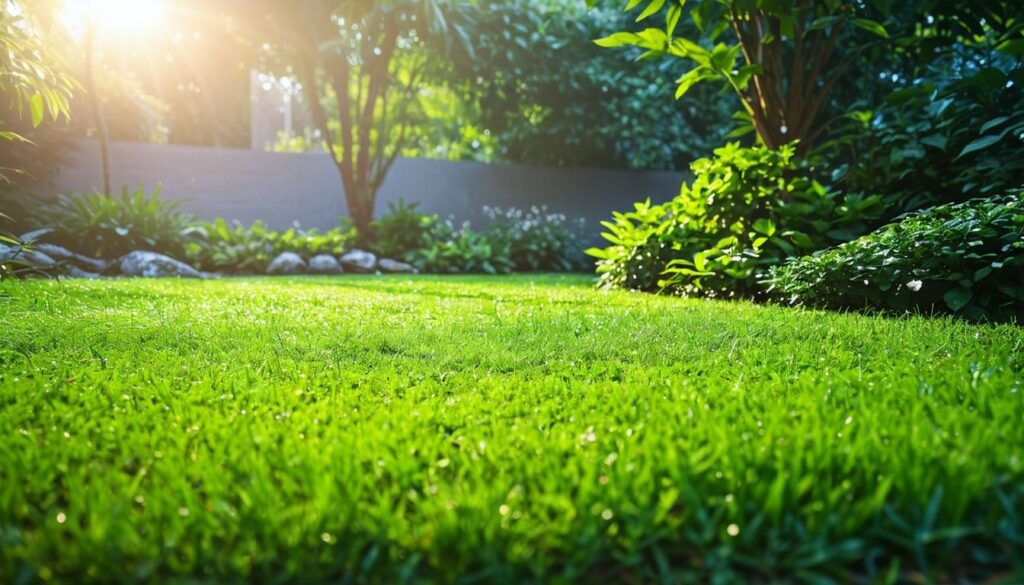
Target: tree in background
32	80
360	66
545	94
782	59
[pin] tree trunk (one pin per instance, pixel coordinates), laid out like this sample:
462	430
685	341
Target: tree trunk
95	106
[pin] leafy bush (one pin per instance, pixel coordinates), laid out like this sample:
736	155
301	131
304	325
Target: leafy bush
453	250
220	246
402	230
533	240
745	210
936	142
108	227
965	258
536	240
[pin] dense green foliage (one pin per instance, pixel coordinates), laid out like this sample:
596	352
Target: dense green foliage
235	248
891	108
455	249
746	209
107	227
462	430
402	230
33	83
537	240
965	258
955	135
545	94
515	240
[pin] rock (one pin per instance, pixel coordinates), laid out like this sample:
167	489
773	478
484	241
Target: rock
324	264
287	263
35	258
68	257
153	265
358	261
395	267
72	271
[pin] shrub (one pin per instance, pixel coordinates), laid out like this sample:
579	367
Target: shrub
536	240
402	230
108	227
745	210
453	250
949	138
965	258
220	246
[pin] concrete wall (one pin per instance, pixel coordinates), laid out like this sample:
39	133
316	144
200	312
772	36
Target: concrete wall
280	189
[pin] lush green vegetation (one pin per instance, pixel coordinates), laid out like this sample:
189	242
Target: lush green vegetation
499	429
746	209
966	258
862	112
97	225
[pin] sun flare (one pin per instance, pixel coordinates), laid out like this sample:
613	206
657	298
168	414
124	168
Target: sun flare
121	16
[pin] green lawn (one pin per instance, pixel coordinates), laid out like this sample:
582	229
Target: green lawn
510	429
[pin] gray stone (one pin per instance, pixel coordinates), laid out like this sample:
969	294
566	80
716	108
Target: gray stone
324	264
69	257
72	271
287	263
35	258
152	265
359	261
395	267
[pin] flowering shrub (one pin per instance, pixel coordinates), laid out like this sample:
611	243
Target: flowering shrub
536	240
516	240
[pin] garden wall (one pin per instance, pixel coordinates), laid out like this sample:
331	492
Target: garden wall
280	189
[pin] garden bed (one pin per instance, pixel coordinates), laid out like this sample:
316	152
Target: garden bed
385	429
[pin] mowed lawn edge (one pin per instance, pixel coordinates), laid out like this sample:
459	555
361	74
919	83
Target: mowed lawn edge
443	429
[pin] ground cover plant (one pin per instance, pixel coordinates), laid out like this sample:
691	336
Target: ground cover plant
501	429
965	258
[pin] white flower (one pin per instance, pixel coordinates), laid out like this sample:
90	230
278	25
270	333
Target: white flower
914	285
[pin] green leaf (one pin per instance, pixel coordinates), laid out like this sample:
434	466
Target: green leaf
1013	47
958	297
980	144
692	77
37	109
870	26
992	124
653	7
765	226
619	39
936	141
675	12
